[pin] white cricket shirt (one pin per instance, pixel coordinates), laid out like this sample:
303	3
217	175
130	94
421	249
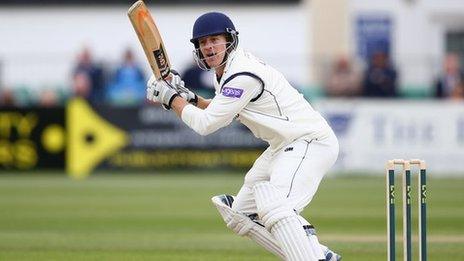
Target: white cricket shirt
262	99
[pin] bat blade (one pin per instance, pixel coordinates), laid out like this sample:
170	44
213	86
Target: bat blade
150	39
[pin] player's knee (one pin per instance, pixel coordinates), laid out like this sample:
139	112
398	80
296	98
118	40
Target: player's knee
271	203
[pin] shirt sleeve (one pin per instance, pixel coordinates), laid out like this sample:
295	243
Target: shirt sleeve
234	96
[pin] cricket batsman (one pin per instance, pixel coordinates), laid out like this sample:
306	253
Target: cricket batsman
302	146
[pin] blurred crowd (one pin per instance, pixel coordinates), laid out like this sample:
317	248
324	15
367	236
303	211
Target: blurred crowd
98	83
124	85
380	79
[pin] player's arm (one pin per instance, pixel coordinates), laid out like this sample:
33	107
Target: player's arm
202	102
223	108
178	104
220	111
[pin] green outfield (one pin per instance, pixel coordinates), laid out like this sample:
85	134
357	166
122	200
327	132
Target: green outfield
169	217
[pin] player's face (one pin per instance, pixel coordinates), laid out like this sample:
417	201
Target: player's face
213	49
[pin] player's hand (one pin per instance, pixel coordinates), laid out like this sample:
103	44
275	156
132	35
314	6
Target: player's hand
161	91
183	91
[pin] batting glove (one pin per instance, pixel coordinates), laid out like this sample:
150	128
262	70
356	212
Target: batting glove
183	91
161	91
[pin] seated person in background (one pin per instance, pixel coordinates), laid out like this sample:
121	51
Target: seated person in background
81	85
380	78
48	98
452	76
128	83
458	91
88	78
7	98
344	80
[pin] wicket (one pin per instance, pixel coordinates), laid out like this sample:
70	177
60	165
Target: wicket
422	215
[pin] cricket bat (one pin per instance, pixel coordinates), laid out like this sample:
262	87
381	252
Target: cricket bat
150	38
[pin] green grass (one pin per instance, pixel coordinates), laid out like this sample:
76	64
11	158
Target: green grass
170	217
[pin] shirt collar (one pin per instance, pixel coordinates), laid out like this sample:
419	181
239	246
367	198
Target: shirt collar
230	58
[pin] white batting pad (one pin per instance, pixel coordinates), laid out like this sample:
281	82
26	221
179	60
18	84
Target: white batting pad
283	223
260	235
293	240
225	210
271	204
244	226
318	249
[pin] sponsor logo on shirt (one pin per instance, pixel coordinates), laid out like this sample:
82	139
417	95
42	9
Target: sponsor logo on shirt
232	92
288	149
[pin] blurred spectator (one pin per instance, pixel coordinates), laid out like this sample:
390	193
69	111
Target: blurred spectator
88	78
81	85
7	97
48	98
344	80
380	77
447	84
199	81
458	91
128	84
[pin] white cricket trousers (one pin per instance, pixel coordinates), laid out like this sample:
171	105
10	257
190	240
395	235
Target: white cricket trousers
296	170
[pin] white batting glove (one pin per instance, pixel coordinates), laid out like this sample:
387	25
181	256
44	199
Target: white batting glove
161	91
183	91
